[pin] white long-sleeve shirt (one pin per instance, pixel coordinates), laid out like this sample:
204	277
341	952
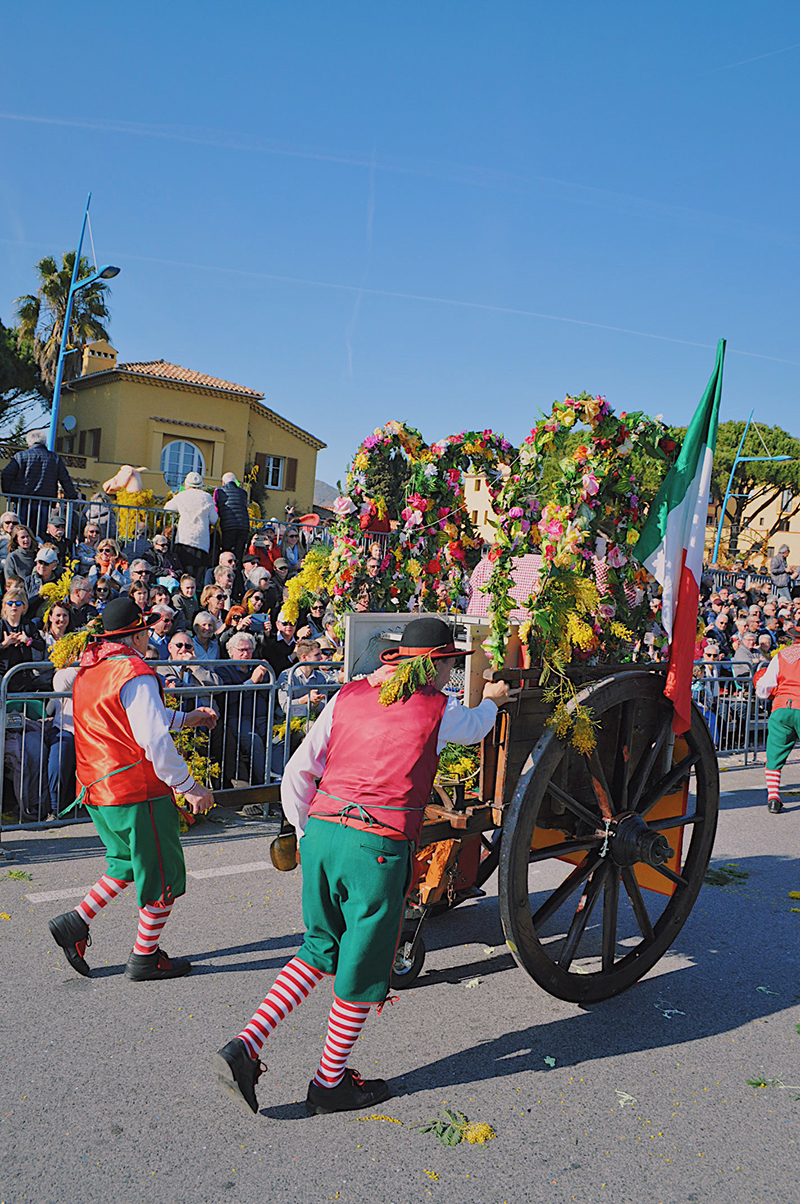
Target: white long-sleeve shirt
765	686
460	725
151	723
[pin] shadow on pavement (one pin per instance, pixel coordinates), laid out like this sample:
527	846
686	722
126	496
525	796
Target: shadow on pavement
739	799
717	996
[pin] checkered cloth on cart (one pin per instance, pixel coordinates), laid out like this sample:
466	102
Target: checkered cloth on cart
526	581
526	572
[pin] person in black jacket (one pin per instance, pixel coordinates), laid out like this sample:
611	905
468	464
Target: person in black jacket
234	518
32	478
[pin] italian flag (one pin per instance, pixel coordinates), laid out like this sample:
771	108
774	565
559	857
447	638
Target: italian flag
672	542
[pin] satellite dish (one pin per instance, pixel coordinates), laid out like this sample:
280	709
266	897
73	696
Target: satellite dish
69	422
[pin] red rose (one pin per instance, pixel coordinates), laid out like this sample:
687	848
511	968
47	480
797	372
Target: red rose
434	567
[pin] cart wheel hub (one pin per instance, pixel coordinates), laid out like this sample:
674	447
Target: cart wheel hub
633	840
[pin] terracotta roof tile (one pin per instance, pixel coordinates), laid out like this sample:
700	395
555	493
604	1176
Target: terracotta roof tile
162	370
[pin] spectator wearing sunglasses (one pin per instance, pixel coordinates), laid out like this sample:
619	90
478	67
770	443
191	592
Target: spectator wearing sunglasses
214	600
104	591
292	550
45	570
20	642
8	522
177	673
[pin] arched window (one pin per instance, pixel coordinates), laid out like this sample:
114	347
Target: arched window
177	459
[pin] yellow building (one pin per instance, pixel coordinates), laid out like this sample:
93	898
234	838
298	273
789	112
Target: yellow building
174	420
763	530
479	505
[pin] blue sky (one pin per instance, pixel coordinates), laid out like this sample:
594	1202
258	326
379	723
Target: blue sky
448	213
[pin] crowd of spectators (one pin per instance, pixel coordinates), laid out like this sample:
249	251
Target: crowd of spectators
225	613
743	625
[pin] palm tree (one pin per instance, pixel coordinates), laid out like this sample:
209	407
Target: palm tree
41	315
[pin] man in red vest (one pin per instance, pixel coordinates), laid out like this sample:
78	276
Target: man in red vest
374	752
781	682
128	770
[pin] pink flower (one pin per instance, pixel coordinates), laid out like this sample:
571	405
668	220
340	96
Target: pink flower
591	485
343	506
516	512
615	557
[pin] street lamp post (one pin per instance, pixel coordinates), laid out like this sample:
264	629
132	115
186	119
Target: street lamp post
737	460
106	273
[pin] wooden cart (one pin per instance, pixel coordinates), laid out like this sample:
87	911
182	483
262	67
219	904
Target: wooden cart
600	857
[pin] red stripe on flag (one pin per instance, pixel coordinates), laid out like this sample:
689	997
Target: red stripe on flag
681	653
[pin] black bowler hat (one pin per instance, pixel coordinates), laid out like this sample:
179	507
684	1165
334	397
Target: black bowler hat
424	637
123	617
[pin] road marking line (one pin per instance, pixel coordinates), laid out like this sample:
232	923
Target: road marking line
50	896
223	870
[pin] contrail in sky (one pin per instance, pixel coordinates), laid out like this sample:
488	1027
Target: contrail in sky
756	59
454	173
351	327
449	301
423	297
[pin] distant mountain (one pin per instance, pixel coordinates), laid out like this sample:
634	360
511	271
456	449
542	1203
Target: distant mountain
324	494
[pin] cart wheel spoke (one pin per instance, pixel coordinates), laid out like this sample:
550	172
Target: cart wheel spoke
600	786
666	872
637	903
567	846
581	918
622	767
570	884
646	763
573	805
678	821
667	783
610	909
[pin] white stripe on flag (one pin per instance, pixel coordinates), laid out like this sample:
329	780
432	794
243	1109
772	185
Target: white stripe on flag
686	531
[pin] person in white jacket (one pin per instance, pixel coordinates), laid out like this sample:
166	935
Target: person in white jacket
197	516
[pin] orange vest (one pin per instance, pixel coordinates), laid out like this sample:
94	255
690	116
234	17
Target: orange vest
110	765
787	691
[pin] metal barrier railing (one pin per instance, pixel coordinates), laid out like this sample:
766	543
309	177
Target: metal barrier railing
245	752
133	527
736	716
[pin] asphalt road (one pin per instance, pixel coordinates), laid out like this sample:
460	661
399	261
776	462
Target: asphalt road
106	1092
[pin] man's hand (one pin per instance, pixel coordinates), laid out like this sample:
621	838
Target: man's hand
201	717
201	799
258	674
499	692
303	634
316	696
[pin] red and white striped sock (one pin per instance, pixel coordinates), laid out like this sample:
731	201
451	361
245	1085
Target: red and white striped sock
151	923
101	893
773	777
295	983
345	1023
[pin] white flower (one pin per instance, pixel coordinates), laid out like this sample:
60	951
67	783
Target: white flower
430	470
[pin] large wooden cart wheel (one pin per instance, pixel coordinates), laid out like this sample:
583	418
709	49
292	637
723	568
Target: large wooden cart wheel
577	914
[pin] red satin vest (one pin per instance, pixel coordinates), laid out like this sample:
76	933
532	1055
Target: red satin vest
109	763
787	691
381	761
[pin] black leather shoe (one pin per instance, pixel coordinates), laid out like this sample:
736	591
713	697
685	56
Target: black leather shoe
71	932
774	806
147	967
238	1073
353	1092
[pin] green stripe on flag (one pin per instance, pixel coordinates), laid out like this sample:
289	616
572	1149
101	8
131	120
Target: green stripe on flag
702	433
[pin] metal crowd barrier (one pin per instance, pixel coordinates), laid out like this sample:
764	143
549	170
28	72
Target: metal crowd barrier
133	527
736	716
244	753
